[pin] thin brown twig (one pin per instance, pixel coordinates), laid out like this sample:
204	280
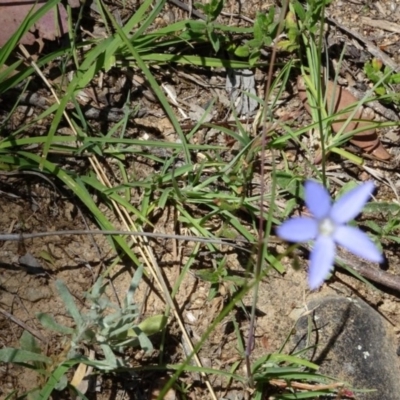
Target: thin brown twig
31	173
374	50
261	241
304	386
23	325
24	236
376	275
381	24
381	277
389	114
187	8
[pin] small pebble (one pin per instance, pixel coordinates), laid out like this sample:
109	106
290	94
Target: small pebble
35	294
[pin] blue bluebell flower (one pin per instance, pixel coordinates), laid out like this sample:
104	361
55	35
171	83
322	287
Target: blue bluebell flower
328	228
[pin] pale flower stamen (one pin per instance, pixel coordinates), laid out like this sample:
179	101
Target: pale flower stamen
326	227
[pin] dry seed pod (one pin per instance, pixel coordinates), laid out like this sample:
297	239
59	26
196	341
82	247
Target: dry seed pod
366	140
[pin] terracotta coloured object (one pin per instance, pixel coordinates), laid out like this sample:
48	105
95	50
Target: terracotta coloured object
366	140
51	26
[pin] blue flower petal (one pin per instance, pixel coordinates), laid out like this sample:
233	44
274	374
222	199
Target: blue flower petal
321	261
351	204
317	199
357	242
301	229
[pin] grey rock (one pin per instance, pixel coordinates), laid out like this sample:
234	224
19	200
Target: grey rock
239	84
33	294
351	342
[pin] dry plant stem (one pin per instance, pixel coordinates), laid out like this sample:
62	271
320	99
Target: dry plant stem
304	386
23	325
375	105
243	17
25	236
381	24
55	188
261	242
373	274
32	173
187	8
374	50
141	240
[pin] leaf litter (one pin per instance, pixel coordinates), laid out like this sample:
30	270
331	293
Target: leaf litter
221	350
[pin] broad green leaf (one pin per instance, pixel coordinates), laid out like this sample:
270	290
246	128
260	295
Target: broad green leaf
55	379
150	325
21	356
69	303
49	322
29	343
242	51
137	278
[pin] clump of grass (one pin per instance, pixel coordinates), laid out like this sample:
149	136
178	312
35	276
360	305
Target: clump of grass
192	189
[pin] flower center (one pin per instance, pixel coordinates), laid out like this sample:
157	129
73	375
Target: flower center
326	227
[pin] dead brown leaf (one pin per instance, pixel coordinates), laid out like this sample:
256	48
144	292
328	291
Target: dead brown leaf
339	99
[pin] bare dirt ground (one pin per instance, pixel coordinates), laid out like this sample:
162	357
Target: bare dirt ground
30	204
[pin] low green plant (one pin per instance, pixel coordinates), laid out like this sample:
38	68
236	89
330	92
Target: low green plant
280	368
212	10
389	230
106	327
198	192
382	78
264	32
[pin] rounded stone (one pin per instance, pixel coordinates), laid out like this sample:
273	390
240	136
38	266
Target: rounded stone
351	342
